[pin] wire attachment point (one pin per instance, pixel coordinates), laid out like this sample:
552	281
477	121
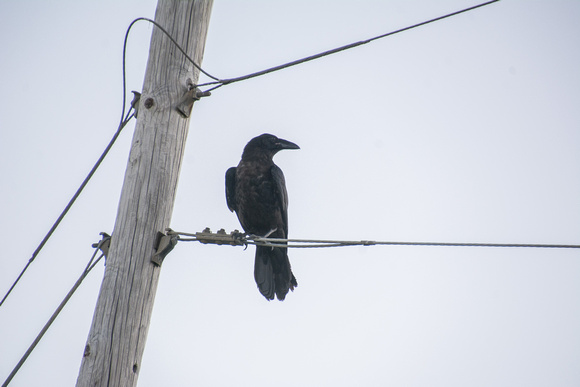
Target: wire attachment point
135	102
186	103
163	245
103	244
235	238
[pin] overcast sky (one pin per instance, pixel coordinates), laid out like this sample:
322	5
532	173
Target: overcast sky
466	130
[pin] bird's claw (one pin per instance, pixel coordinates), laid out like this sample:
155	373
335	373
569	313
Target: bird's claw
241	238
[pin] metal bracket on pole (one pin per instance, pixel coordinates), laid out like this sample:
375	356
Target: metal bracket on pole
135	102
104	244
163	245
186	103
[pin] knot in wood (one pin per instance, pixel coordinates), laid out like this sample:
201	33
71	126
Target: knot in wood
149	102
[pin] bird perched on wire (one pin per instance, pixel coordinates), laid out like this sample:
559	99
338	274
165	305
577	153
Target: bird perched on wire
256	191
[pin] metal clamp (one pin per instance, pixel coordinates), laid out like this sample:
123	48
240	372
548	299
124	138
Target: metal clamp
163	246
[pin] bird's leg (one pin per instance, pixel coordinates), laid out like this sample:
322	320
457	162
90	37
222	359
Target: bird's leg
270	233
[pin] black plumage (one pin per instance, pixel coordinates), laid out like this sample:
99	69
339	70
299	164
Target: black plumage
256	191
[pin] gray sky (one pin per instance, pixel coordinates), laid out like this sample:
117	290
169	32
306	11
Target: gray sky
467	130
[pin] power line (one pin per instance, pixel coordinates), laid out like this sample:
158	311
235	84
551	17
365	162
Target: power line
222	82
70	204
236	238
103	246
125	118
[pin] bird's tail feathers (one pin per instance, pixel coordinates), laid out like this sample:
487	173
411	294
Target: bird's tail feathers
273	273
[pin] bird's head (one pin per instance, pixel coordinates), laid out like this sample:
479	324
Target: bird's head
266	145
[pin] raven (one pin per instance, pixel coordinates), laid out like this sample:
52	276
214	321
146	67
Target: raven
256	191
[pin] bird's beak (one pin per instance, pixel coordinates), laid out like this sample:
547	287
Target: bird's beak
284	144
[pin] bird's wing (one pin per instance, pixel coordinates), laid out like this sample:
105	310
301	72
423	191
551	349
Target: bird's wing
231	188
281	194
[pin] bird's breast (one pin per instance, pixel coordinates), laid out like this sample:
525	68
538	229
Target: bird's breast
258	206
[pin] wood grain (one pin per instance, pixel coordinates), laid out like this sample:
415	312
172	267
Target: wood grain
122	315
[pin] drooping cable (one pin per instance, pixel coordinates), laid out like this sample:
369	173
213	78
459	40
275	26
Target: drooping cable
92	263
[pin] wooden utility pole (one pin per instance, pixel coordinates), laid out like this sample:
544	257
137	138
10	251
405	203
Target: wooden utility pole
122	315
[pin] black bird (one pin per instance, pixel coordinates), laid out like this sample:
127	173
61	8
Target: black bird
256	191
